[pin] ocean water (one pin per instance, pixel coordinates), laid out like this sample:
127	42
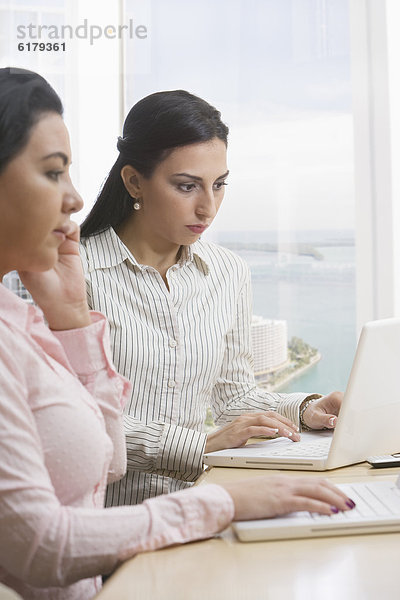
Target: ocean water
315	297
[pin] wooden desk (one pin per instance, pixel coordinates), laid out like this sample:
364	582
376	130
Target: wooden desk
336	568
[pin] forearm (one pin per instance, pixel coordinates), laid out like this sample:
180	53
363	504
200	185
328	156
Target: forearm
68	544
258	400
164	449
235	391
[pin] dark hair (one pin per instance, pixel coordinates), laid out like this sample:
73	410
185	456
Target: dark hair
24	97
153	128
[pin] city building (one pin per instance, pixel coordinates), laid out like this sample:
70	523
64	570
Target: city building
269	340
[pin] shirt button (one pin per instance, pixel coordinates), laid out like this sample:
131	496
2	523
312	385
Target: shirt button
173	343
171	383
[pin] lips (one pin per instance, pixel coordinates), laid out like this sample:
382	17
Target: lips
60	234
63	232
65	229
197	228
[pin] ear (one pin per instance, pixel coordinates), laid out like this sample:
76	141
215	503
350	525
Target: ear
131	178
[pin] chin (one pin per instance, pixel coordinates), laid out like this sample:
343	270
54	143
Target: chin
43	263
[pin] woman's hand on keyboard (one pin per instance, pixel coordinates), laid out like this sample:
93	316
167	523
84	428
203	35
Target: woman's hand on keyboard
270	496
323	413
238	431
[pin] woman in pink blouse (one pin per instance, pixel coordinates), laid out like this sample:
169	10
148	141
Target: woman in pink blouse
61	437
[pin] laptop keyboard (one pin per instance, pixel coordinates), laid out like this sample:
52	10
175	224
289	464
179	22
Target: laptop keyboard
371	500
314	449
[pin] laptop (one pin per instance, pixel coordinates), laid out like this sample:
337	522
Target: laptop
377	511
367	423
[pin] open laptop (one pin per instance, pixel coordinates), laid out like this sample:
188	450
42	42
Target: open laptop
377	511
368	423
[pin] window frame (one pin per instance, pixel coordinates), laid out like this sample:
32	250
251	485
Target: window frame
376	96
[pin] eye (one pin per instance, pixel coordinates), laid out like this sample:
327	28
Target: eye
220	184
54	175
187	187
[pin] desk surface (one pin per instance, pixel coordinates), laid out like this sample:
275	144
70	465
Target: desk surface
346	568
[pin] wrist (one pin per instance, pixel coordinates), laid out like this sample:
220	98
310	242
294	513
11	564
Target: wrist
239	500
303	408
210	444
69	318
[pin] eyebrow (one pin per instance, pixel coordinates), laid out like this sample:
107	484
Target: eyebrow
61	155
199	178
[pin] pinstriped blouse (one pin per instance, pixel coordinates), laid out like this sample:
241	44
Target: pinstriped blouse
183	349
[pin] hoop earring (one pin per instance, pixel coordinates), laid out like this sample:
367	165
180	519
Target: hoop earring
136	205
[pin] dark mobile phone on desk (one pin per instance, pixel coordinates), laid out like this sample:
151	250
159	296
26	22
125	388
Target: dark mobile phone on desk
386	460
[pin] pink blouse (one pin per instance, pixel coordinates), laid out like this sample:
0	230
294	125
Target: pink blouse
61	440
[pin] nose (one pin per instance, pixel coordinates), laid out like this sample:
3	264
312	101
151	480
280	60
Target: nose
208	205
72	201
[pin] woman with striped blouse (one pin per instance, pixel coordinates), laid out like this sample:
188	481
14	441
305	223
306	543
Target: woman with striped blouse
179	307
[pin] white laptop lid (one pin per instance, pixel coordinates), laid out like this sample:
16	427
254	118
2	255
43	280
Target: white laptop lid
367	423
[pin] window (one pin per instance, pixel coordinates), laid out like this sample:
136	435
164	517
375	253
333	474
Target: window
280	74
86	75
15	18
279	71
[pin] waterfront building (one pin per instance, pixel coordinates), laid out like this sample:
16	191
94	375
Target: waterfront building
269	340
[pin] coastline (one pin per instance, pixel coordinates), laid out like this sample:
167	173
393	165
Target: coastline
277	386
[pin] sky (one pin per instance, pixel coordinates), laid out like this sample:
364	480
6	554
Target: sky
279	72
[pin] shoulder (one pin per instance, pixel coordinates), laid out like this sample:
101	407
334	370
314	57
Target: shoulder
8	333
13	340
90	245
219	258
16	342
101	250
224	267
